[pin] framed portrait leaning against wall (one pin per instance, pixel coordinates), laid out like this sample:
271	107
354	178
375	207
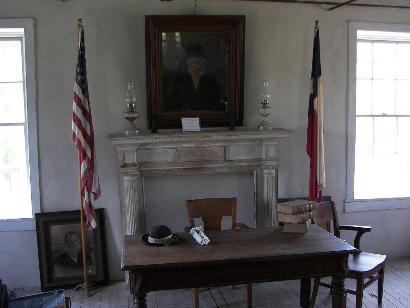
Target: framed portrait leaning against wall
60	250
195	68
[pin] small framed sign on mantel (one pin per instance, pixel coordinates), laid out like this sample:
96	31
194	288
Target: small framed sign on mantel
190	124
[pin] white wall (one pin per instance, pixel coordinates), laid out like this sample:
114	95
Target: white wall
278	47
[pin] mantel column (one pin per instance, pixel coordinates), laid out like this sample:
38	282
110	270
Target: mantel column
266	194
133	202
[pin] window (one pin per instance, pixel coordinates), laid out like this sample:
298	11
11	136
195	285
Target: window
19	185
379	117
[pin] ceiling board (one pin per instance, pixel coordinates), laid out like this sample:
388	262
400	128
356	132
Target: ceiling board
404	4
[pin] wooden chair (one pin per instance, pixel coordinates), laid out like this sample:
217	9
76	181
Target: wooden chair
211	211
361	266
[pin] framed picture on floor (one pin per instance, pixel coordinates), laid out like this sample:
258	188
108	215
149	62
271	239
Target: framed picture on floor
60	250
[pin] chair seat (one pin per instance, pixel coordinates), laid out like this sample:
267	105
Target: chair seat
365	262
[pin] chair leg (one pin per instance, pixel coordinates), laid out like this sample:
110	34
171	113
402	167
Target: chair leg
359	292
196	297
314	291
249	294
380	286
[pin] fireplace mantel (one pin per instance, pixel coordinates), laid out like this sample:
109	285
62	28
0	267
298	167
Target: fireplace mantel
211	151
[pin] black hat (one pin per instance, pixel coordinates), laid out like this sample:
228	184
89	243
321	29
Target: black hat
195	50
160	235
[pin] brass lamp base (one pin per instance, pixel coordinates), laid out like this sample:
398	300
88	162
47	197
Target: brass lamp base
131	129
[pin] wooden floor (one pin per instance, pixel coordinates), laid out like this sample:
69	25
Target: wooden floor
276	294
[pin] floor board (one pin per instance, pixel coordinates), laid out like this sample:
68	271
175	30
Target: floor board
265	295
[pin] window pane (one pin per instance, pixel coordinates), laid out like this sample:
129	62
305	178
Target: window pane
383	35
364	135
397	168
364	60
385	135
363	96
364	179
10	61
14	184
403	61
11	103
384	56
383	97
403	136
403	97
383	175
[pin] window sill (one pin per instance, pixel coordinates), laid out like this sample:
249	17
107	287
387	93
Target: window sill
376	204
22	224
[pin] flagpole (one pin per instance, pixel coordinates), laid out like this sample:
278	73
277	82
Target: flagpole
84	285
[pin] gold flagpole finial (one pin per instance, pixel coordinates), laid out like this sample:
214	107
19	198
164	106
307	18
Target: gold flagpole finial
80	22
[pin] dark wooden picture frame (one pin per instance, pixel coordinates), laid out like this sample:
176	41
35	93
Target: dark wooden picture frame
195	35
57	233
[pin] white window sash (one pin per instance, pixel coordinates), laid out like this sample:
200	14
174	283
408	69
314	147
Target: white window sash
351	204
31	122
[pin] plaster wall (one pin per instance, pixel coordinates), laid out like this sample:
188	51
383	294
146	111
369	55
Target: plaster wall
278	47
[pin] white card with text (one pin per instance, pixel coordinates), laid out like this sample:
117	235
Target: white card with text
190	125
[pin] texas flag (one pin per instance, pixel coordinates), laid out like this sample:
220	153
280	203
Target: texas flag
314	142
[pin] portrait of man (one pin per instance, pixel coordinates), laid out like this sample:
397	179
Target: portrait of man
195	69
195	72
67	251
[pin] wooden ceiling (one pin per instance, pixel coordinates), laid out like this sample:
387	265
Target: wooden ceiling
336	4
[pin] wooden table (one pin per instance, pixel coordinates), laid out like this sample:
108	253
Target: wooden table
237	257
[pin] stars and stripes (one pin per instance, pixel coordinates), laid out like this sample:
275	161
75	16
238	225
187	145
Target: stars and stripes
314	142
83	137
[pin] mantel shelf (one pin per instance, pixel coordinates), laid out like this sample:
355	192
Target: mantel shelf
209	134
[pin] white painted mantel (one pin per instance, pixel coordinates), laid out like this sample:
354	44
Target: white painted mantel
211	151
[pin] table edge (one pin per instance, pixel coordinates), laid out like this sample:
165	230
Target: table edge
233	261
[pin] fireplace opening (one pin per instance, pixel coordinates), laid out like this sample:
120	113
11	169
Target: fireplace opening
165	197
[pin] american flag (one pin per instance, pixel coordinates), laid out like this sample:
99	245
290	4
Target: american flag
83	137
314	142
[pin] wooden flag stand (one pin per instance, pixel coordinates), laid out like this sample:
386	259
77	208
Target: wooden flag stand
85	285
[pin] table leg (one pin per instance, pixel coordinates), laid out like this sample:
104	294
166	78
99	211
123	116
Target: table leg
339	292
140	300
135	281
305	292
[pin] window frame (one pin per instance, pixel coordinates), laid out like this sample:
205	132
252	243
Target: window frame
29	81
351	204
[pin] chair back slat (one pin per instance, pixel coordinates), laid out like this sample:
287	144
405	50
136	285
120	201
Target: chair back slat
212	223
211	210
325	215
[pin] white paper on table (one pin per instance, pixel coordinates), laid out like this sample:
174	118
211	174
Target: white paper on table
204	237
198	238
199	235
